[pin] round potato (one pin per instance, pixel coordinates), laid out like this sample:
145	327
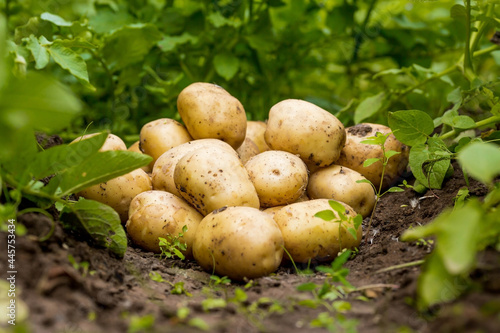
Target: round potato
238	242
163	169
212	177
302	128
160	135
209	111
113	142
157	214
311	238
119	192
340	183
279	177
135	148
255	132
247	150
355	153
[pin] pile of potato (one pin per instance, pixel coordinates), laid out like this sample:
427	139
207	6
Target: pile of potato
247	190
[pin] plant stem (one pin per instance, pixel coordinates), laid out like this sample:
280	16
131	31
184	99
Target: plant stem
408	264
359	37
468	68
377	285
484	122
44	212
481	29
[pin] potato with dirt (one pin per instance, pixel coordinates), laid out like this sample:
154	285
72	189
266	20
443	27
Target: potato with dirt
308	237
155	214
341	184
238	242
279	177
355	153
302	128
213	177
209	111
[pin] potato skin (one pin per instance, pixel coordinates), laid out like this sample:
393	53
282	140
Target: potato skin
355	153
302	128
209	111
113	142
163	214
212	177
279	177
119	192
255	132
160	135
135	148
311	238
242	242
339	183
247	150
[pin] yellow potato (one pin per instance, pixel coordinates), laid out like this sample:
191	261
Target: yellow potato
255	132
247	150
311	238
209	111
355	153
339	183
161	214
119	192
238	242
302	128
213	177
279	177
113	142
135	148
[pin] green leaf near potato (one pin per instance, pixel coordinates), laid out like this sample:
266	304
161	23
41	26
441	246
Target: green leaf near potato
411	127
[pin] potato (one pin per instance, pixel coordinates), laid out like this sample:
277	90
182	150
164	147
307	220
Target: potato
135	148
113	142
355	153
119	192
238	242
302	128
311	238
255	132
273	210
247	150
160	135
161	214
163	169
209	111
279	177
339	183
212	177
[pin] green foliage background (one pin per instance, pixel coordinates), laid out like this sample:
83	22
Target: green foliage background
359	59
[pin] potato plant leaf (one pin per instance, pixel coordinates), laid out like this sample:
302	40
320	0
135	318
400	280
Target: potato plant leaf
226	65
99	222
481	160
40	53
411	127
369	106
326	215
370	161
429	163
71	61
55	19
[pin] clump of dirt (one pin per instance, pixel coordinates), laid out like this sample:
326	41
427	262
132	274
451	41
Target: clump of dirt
70	286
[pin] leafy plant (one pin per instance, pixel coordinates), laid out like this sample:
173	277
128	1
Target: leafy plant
83	266
171	246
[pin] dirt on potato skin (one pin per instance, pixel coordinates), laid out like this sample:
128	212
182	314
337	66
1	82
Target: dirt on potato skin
62	298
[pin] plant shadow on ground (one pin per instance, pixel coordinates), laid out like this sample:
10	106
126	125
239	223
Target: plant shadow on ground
64	294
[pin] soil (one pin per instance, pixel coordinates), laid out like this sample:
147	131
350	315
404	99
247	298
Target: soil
118	295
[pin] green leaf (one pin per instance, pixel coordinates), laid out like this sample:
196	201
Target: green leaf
495	110
337	206
429	163
458	12
326	215
308	286
218	20
411	127
99	222
370	161
77	43
71	61
390	153
57	20
395	189
107	20
213	303
40	53
198	323
481	160
463	122
369	107
169	43
129	45
226	65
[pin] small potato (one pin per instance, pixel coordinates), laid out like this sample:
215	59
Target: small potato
158	136
238	242
255	132
163	169
210	178
161	214
339	183
355	153
302	128
113	142
311	238
135	148
119	192
279	177
247	150
209	111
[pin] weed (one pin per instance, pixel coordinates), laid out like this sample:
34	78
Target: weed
172	246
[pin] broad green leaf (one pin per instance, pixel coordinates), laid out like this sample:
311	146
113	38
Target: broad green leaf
55	19
129	45
308	286
326	215
169	43
481	160
77	43
262	42
107	20
370	161
429	163
218	20
369	107
71	61
378	139
337	206
226	65
99	222
463	122
455	96
495	110
458	12
40	53
390	153
411	127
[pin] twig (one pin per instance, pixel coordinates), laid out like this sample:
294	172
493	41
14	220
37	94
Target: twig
408	264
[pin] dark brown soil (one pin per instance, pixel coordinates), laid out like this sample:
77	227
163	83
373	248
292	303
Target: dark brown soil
115	293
